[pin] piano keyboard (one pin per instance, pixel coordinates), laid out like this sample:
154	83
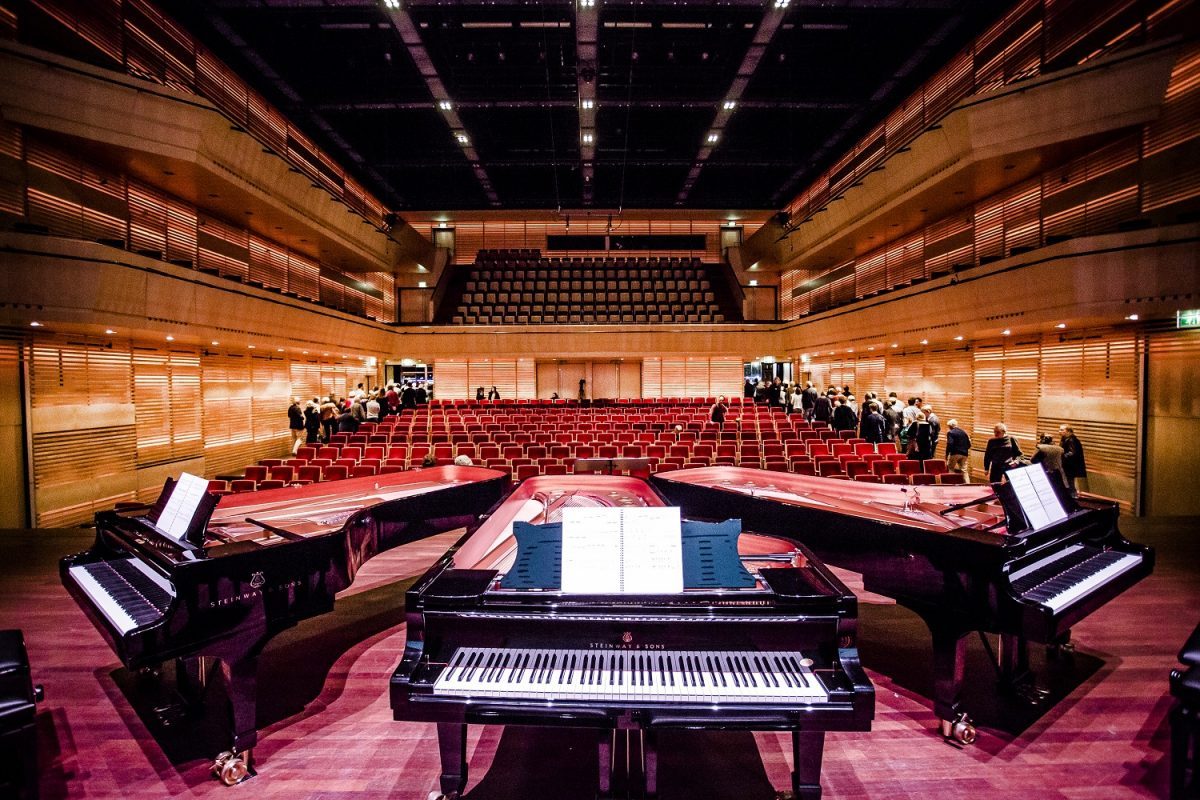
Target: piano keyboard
128	593
1070	574
717	676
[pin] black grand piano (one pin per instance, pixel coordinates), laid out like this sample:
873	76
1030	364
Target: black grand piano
263	562
964	558
761	638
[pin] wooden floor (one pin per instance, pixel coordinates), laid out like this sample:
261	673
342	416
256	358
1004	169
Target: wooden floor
327	731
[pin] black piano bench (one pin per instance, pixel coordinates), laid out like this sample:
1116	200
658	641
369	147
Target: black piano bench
18	729
1185	722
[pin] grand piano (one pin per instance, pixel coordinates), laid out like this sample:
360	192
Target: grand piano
964	558
761	638
264	561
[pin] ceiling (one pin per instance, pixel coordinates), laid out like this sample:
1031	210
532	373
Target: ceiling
478	105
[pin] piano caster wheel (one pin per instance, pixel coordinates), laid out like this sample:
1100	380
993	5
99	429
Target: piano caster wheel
232	768
436	795
1032	694
959	730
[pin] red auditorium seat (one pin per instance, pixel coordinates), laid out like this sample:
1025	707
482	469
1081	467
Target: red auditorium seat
219	488
951	478
805	467
363	471
283	474
885	448
243	485
829	469
898	479
271	484
309	474
895	457
864	448
256	472
935	466
307	452
909	467
884	467
923	479
856	468
526	471
330	453
868	478
336	472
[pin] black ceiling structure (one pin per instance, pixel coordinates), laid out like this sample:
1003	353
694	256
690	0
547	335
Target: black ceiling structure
528	104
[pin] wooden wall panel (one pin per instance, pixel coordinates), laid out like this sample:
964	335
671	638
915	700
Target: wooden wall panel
1172	407
13	495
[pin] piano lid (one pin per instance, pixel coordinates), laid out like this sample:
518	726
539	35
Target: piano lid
914	506
321	508
539	501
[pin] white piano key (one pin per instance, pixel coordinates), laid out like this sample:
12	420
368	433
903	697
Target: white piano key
1092	582
102	600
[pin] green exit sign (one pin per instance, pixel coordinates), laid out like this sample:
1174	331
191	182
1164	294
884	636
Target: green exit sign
1188	319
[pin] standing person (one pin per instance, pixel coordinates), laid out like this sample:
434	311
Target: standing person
1074	466
582	390
422	394
958	447
844	418
920	443
493	394
717	412
392	400
874	426
296	424
810	400
893	413
760	392
372	409
1000	449
358	410
358	394
479	393
1050	456
312	421
935	425
328	417
748	389
408	396
796	402
774	392
823	409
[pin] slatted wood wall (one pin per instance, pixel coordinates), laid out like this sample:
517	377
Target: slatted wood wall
1089	380
687	376
110	420
458	378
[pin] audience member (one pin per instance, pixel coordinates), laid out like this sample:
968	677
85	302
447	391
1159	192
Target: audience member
422	394
312	421
716	413
463	460
329	414
874	426
408	396
479	393
428	461
1050	456
296	424
844	418
1001	449
809	400
372	409
958	448
892	412
919	438
1074	466
823	409
493	394
346	421
582	389
796	401
391	404
935	424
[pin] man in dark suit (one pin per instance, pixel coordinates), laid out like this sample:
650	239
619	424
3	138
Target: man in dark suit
1072	460
1000	449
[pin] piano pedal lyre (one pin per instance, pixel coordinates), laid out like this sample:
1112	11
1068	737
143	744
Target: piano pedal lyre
232	768
959	730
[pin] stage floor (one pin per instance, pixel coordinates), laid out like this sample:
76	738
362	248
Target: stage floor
327	732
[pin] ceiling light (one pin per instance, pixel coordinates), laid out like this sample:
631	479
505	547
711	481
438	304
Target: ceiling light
924	341
713	138
1006	332
421	284
279	350
391	4
109	331
778	3
304	352
445	105
586	3
170	338
729	105
1132	318
754	282
215	343
872	347
958	338
35	324
1061	325
588	138
462	138
895	345
250	346
587	103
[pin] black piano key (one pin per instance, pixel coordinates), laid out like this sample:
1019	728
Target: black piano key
749	671
798	671
1057	567
718	674
766	672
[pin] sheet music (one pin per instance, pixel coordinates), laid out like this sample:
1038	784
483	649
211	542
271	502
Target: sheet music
181	506
636	550
1036	496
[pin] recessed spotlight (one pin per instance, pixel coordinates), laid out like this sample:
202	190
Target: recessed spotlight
445	105
587	104
924	341
35	324
250	346
782	3
170	338
729	105
958	338
895	345
462	138
586	3
393	4
422	284
713	138
279	350
303	352
1061	325
872	348
754	282
588	138
1006	332
1132	318
109	331
214	343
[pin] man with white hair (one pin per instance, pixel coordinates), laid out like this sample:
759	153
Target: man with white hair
958	448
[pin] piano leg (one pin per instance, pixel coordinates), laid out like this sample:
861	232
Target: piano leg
452	746
808	748
650	762
241	685
604	750
949	660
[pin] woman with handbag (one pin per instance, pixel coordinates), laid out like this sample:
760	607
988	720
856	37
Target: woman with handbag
1001	449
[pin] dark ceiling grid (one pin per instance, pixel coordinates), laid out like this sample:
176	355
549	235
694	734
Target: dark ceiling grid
773	14
403	25
587	20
